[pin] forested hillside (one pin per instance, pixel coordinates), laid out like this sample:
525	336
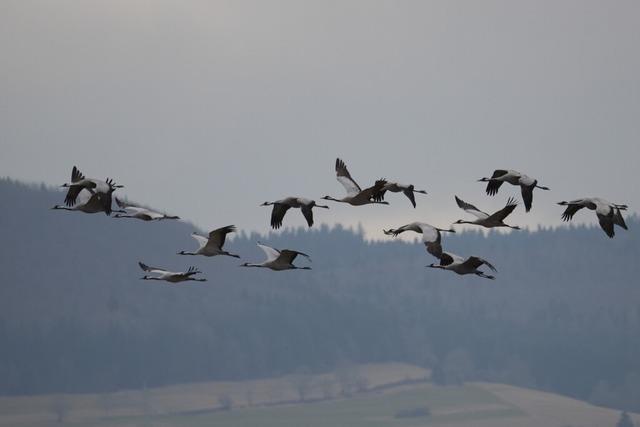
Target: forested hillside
563	314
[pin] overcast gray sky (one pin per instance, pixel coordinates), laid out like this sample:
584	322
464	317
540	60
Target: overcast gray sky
207	108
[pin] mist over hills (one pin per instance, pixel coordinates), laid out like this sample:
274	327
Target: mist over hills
563	314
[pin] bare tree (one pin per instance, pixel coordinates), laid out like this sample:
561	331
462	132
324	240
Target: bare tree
61	407
249	395
346	375
458	367
274	393
625	420
225	401
107	402
302	382
361	382
327	385
145	401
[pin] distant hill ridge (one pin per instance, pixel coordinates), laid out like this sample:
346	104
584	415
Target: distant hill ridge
563	314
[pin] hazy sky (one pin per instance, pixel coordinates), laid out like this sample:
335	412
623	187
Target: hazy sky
207	108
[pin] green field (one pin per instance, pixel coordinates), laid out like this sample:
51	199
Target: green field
196	405
447	404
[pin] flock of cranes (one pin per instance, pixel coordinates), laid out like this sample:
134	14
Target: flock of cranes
90	195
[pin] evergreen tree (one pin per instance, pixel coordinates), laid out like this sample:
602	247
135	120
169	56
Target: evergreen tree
79	320
625	420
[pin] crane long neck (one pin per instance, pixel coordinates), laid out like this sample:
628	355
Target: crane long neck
462	221
230	254
448	230
393	231
335	200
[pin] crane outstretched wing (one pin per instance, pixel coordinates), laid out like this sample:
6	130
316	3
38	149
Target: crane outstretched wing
618	219
202	241
148	269
434	248
504	212
468	207
474	262
287	255
376	191
277	214
493	186
606	222
446	259
308	214
124	204
271	253
571	210
344	177
219	235
527	196
409	193
191	271
74	190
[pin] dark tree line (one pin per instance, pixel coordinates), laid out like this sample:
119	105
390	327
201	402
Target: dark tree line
564	314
